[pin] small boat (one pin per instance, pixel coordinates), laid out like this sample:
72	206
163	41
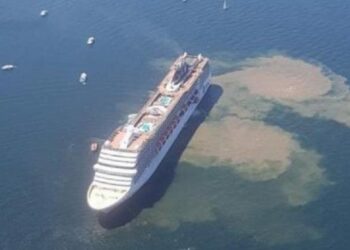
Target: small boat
90	40
83	78
44	13
8	67
225	7
93	147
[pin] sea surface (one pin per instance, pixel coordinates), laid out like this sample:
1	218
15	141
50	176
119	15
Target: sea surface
48	120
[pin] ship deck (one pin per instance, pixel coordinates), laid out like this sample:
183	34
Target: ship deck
159	105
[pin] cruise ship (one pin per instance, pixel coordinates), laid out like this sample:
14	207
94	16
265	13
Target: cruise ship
129	157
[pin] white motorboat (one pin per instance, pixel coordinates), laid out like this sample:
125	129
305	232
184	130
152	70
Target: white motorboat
83	78
90	40
44	13
8	67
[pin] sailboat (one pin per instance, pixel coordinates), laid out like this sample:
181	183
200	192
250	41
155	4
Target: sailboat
225	7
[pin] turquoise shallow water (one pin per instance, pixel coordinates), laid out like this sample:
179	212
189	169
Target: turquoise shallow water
48	121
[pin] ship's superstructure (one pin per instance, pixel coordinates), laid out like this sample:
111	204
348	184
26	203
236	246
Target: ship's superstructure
133	152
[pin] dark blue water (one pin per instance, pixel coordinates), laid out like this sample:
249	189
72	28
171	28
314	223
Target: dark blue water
48	119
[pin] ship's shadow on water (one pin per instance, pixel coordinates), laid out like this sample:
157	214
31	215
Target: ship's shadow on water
157	185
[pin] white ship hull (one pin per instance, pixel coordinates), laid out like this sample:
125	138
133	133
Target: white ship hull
134	151
154	164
